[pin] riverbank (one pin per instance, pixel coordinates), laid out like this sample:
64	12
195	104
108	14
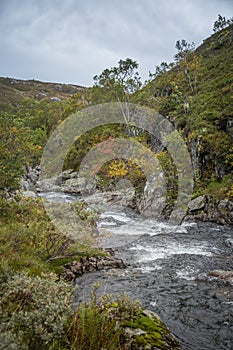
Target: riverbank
204	208
33	254
183	273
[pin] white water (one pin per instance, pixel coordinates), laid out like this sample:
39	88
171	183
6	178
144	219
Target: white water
167	269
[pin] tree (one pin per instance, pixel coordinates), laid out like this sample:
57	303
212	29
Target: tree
221	23
124	78
160	70
119	83
183	48
187	65
16	149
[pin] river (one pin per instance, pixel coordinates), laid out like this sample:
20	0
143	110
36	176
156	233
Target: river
167	270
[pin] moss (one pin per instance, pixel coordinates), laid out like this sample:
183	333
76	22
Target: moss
156	333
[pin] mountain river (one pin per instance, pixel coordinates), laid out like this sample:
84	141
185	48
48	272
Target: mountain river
167	270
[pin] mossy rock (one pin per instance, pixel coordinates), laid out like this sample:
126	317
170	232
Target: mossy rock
147	331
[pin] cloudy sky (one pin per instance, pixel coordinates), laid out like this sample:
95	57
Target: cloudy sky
70	41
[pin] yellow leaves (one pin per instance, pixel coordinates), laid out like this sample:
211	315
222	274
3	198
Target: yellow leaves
117	169
37	147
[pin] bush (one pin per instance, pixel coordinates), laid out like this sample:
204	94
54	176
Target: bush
97	325
33	311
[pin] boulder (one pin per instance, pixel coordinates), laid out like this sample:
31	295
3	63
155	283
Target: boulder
147	331
77	185
123	198
153	201
224	275
198	203
30	194
219	211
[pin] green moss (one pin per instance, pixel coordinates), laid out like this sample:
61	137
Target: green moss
156	333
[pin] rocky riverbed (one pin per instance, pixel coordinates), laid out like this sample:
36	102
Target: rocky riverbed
183	272
202	208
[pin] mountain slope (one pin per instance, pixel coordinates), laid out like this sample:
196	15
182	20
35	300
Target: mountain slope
14	91
196	95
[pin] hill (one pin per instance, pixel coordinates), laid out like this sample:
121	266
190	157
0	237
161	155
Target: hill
13	91
195	93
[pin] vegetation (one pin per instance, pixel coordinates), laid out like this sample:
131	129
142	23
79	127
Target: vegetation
30	322
194	93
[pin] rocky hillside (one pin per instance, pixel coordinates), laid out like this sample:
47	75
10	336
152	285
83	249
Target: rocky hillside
14	91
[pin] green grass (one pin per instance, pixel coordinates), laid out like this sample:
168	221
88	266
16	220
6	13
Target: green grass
30	242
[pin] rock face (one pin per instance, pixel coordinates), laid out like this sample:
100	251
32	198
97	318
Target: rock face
205	208
78	268
154	197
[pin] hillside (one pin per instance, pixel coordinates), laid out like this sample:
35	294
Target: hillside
196	95
13	91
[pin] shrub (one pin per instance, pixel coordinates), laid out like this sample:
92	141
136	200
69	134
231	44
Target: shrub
33	311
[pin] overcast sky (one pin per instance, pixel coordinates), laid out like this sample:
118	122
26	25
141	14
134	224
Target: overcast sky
70	41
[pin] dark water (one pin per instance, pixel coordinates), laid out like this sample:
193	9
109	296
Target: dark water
167	269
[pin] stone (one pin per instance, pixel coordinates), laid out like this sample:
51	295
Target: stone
154	197
78	268
149	332
24	185
30	194
198	203
224	275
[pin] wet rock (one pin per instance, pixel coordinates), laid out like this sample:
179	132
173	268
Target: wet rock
78	268
224	294
224	275
229	242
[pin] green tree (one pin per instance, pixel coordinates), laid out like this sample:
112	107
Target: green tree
119	83
124	78
15	149
221	23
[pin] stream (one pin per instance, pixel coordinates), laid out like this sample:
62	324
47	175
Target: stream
167	270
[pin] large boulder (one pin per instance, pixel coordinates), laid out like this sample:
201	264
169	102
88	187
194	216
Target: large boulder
124	198
153	200
198	203
77	185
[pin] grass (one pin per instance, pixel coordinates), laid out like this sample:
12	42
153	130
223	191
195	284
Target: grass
30	242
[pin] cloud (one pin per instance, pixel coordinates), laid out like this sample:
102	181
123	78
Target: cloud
72	40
